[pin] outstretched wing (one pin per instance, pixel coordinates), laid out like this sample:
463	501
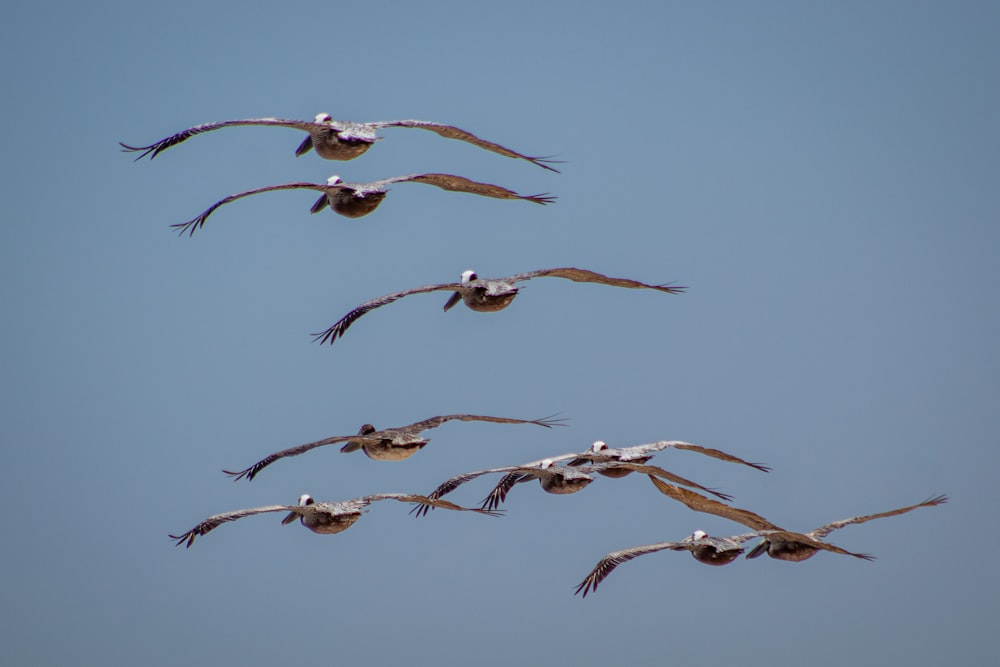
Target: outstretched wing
700	503
498	495
606	565
717	454
585	276
254	470
462	184
823	531
658	472
452	132
338	329
213	522
191	225
434	422
155	149
423	502
453	483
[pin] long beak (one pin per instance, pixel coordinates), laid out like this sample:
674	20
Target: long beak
320	204
292	516
304	147
350	447
758	549
452	300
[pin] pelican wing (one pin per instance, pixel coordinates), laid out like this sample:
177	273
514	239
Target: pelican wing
658	472
423	502
606	565
254	470
453	483
341	326
191	225
585	276
155	149
434	422
498	495
216	520
717	454
459	184
823	531
802	538
700	503
452	132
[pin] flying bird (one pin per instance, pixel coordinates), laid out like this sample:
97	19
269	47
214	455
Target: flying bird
325	518
390	444
778	542
552	478
485	295
354	200
336	139
599	452
703	547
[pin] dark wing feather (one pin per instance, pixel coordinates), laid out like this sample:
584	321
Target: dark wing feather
341	326
191	225
453	483
254	470
585	276
700	503
434	422
606	565
718	454
155	149
424	502
461	184
498	495
660	472
216	520
825	530
452	132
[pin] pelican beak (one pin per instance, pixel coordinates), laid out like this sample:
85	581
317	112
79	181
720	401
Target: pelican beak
452	300
758	549
350	447
292	516
320	204
304	147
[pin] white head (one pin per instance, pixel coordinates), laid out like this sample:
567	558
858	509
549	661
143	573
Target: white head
334	180
598	446
322	118
698	534
305	499
468	276
546	463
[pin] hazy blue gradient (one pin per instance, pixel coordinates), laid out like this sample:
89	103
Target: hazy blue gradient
825	179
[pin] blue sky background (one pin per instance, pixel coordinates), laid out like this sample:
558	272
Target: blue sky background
824	178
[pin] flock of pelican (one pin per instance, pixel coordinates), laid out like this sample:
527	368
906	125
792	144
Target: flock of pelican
560	474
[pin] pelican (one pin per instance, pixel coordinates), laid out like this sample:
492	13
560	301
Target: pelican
705	549
553	478
599	452
485	295
354	200
778	542
325	518
336	139
391	444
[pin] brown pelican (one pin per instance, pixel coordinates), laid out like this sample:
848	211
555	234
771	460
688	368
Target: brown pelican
335	139
325	518
599	452
552	478
355	200
705	549
485	295
778	542
390	444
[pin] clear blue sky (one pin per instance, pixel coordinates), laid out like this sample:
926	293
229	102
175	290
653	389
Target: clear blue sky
824	178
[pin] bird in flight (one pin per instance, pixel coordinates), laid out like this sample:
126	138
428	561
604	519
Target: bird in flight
325	518
336	139
777	542
390	444
354	200
484	295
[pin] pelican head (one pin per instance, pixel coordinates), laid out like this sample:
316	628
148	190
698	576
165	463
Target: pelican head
322	118
334	180
598	446
698	534
546	463
305	499
366	429
468	276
